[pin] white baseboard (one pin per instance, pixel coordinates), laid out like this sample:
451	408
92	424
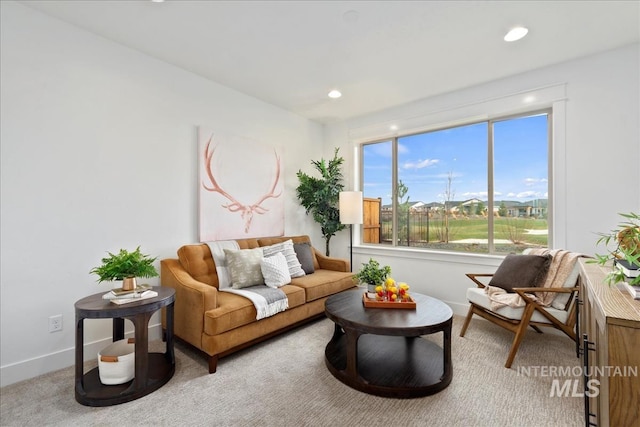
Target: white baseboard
27	369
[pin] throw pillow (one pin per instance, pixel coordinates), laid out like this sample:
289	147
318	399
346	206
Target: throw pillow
521	271
295	269
305	256
244	267
275	271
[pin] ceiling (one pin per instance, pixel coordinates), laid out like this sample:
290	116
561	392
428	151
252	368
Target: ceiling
378	53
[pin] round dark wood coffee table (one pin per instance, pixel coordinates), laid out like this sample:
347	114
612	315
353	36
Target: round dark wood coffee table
379	350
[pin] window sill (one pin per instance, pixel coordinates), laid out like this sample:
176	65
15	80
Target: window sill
428	255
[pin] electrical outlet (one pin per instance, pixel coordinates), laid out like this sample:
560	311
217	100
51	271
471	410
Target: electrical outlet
55	323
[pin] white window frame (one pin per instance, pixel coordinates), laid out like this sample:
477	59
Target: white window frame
526	102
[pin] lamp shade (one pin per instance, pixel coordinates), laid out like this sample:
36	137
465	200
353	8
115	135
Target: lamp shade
350	206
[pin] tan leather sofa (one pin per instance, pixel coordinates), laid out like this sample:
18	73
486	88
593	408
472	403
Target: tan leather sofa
220	323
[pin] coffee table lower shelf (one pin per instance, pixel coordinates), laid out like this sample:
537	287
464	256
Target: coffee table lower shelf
390	366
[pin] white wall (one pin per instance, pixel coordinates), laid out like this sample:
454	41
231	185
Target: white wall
98	149
596	169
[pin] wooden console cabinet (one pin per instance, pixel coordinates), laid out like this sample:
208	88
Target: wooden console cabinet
610	319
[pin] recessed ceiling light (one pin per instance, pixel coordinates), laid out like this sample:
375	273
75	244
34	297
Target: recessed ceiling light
516	34
393	127
335	94
157	1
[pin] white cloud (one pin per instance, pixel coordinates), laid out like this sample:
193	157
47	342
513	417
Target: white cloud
526	194
420	164
475	195
533	181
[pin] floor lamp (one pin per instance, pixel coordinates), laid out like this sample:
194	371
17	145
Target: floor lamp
350	206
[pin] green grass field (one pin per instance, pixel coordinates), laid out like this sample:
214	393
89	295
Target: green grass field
515	230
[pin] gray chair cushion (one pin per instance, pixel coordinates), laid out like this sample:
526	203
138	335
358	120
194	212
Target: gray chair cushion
521	271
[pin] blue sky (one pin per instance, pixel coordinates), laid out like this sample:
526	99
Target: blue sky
426	161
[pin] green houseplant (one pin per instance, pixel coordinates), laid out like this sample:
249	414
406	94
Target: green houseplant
373	274
622	243
319	196
125	266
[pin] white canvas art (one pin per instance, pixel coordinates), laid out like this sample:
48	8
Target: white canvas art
241	187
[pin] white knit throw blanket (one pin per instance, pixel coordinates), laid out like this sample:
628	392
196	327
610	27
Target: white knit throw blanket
266	300
217	251
561	265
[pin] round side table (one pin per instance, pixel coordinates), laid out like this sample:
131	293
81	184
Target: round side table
152	370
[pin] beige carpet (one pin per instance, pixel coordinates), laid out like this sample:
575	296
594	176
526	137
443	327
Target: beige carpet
284	382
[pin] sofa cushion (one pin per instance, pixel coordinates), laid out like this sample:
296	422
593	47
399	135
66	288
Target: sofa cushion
198	262
323	283
247	243
244	267
234	310
275	271
521	271
305	256
267	241
286	248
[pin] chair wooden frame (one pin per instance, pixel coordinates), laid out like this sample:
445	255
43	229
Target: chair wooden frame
519	326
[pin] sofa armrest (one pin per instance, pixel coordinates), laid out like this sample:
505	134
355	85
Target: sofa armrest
331	263
193	299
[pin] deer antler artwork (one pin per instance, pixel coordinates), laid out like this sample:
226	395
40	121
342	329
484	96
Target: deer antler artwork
246	211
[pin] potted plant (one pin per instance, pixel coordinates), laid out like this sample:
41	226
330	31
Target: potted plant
623	249
125	266
373	274
319	196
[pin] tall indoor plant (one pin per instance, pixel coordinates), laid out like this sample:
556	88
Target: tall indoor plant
125	266
319	196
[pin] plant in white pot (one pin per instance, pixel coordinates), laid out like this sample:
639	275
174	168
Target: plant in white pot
373	274
623	247
125	266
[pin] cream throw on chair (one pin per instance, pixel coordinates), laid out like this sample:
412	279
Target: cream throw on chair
561	268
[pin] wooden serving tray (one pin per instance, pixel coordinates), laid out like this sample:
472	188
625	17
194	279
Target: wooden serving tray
372	303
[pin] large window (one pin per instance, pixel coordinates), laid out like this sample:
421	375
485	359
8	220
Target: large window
481	187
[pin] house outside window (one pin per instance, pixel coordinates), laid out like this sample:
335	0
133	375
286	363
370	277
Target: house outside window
481	187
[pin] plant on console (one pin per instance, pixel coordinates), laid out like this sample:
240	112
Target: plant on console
625	241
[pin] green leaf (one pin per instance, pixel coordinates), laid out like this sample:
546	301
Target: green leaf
125	264
621	243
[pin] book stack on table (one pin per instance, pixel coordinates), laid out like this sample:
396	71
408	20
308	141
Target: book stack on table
121	296
630	271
